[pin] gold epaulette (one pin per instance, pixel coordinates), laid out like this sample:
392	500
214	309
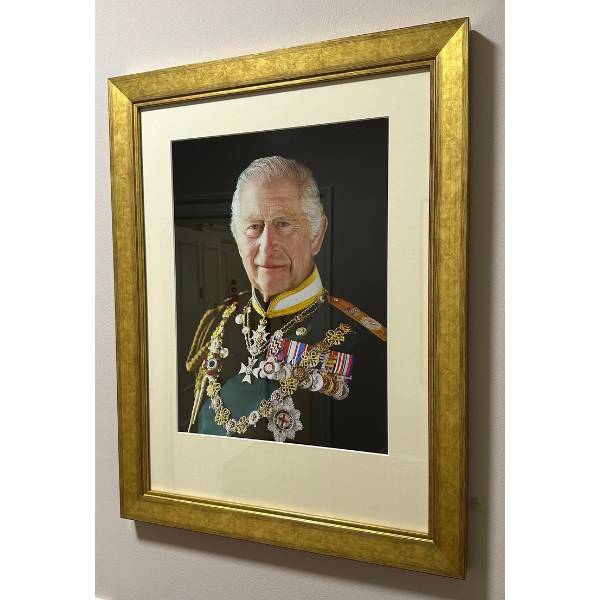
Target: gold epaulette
359	316
199	348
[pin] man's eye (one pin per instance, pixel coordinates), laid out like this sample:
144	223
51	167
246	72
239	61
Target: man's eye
283	224
254	226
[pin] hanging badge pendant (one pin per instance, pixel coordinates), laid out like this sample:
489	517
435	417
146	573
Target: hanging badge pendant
248	370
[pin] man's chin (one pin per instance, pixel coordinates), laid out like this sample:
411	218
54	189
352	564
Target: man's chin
270	289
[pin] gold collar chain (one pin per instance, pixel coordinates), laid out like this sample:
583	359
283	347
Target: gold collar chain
278	409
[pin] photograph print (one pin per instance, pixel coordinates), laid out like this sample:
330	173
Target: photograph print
281	284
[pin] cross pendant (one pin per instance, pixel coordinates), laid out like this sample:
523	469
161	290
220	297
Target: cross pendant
248	370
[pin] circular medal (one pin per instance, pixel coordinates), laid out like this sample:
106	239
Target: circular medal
328	384
299	373
307	383
342	391
321	347
239	319
268	367
276	397
317	382
301	331
283	419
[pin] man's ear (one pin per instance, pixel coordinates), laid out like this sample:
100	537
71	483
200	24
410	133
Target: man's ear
315	244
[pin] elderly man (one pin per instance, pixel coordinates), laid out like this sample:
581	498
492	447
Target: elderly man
267	364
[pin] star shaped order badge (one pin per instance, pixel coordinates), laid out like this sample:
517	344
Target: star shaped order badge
260	335
249	370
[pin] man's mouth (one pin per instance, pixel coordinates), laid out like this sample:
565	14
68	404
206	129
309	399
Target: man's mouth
272	266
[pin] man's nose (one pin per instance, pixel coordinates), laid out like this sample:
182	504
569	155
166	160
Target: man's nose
268	243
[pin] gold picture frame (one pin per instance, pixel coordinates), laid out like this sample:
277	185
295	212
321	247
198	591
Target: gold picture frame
442	48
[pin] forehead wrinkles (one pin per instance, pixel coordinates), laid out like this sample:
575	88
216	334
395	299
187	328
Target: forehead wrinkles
269	209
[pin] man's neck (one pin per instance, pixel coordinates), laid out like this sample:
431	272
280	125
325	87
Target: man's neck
267	298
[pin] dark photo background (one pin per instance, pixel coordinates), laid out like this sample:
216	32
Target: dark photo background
350	163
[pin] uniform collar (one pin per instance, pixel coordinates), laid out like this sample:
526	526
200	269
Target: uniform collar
292	301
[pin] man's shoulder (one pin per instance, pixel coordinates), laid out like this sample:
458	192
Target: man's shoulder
212	313
213	319
359	316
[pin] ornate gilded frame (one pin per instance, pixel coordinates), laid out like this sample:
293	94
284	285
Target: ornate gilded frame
443	49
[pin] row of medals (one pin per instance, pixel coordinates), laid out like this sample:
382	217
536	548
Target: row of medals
306	375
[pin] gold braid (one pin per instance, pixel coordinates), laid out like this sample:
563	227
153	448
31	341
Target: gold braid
199	349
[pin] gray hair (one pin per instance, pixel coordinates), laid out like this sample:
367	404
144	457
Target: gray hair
274	168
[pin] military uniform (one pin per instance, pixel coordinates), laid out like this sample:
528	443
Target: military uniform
271	372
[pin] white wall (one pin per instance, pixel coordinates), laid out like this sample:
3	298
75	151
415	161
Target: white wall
147	562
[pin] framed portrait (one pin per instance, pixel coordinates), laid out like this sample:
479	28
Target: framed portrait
290	281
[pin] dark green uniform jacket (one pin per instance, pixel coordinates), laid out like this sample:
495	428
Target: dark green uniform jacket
317	410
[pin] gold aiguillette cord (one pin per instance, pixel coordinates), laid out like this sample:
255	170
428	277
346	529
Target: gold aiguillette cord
197	401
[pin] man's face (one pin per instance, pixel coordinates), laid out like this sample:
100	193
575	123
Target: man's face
273	238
